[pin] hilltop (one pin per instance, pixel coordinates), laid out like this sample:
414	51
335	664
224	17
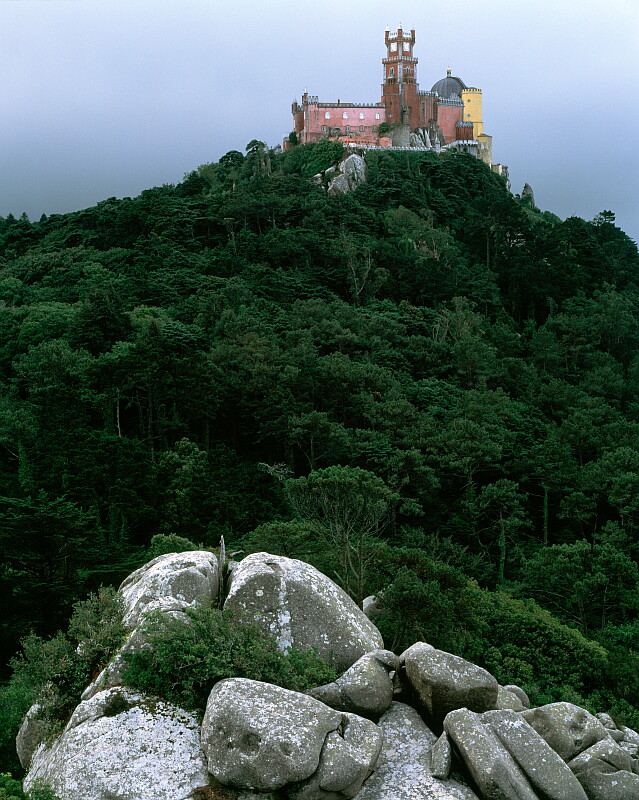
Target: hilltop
177	363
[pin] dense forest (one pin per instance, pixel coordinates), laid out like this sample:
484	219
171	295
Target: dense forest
242	355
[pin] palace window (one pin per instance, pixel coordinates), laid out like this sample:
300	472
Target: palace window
345	115
374	127
327	115
347	128
361	129
324	128
377	115
361	115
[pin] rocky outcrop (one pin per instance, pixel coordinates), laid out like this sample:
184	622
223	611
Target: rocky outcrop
348	757
518	692
300	607
343	178
605	770
473	738
567	728
168	584
630	741
125	746
509	700
260	737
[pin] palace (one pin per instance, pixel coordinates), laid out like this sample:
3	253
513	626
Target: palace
448	116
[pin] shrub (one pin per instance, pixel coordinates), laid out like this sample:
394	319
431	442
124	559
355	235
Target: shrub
163	543
54	672
414	610
516	640
41	791
11	789
188	654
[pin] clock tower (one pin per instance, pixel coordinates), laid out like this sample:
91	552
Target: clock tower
399	90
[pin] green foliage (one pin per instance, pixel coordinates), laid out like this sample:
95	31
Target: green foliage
163	543
590	585
517	641
189	654
293	539
348	507
319	156
11	789
475	355
520	643
414	610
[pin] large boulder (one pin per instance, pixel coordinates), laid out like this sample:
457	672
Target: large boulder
125	746
170	583
32	733
299	606
630	741
605	770
403	770
546	771
347	759
350	174
366	688
261	737
494	771
443	682
567	728
518	692
509	700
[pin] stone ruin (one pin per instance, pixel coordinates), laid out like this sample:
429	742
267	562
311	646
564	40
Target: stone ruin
425	725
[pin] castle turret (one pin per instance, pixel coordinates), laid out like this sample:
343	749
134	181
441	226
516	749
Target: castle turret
399	90
471	98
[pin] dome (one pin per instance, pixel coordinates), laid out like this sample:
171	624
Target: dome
449	86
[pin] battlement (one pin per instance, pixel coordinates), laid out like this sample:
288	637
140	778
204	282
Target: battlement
339	104
391	36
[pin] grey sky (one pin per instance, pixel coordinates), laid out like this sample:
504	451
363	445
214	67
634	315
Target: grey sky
105	98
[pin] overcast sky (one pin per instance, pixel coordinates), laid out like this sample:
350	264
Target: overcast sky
104	98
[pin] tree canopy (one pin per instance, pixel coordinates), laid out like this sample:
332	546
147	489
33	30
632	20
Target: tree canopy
428	359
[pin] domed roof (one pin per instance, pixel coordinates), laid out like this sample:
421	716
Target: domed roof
449	86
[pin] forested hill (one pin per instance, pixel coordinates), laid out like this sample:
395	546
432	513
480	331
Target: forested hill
169	362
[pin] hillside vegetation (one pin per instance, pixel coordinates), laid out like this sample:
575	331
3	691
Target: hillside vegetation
425	386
